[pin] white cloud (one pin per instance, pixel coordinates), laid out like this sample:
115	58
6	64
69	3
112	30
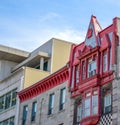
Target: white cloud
34	39
49	16
71	35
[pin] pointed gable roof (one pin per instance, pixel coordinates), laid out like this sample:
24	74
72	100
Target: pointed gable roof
92	33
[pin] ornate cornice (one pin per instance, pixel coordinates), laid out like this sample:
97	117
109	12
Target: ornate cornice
47	83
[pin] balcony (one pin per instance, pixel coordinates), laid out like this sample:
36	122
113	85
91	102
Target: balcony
30	79
89	82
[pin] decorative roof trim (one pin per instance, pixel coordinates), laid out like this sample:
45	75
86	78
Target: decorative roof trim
48	83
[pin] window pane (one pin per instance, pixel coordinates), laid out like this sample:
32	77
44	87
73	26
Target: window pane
107	103
91	68
9	121
83	71
87	107
79	113
14	94
12	121
77	73
51	104
45	65
2	103
34	109
72	84
105	62
8	100
95	104
25	110
62	99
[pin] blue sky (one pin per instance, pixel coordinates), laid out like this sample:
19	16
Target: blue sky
26	24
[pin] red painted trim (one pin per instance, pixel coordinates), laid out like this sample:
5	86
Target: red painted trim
48	83
92	120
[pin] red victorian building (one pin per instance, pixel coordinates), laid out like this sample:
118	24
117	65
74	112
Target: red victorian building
92	68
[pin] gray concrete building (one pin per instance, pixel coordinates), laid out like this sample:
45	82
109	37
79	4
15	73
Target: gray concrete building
20	69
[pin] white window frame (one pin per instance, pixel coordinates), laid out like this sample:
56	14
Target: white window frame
91	68
105	62
94	104
87	107
107	102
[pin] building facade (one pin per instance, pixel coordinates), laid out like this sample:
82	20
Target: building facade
20	69
84	92
53	103
94	75
91	80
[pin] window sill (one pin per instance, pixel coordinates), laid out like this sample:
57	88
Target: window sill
62	110
88	79
7	110
32	122
50	115
107	73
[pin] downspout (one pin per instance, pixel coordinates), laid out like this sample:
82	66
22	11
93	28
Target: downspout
18	100
40	123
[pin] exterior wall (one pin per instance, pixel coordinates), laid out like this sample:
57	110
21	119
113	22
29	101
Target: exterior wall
92	69
116	82
61	53
13	82
30	72
5	68
118	25
42	118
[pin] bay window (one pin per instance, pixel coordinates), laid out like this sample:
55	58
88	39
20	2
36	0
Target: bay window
90	103
87	105
110	58
91	68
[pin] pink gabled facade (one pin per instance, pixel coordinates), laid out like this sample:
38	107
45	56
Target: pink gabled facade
91	67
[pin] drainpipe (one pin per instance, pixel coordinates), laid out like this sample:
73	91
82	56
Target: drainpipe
41	104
